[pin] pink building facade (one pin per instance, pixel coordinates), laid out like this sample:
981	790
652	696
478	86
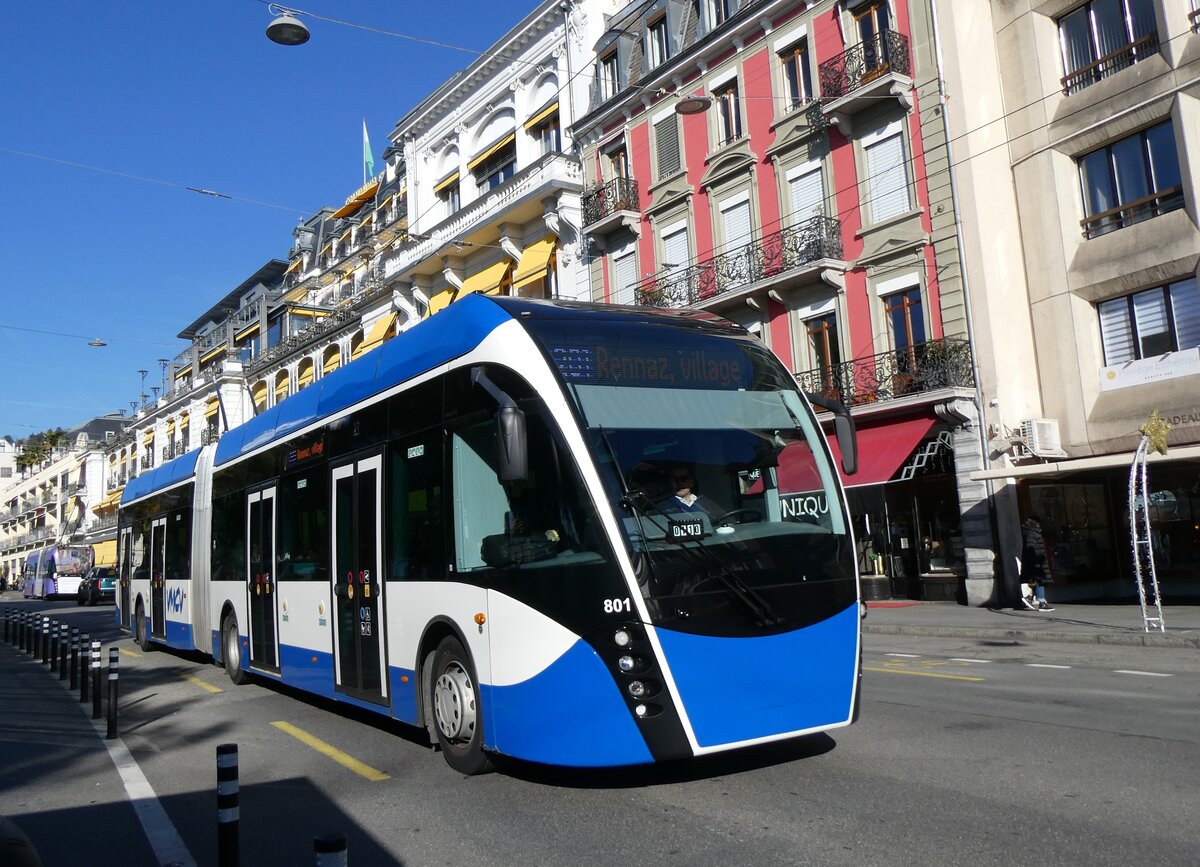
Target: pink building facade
785	165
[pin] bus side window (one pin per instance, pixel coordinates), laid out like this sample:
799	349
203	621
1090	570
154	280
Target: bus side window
480	503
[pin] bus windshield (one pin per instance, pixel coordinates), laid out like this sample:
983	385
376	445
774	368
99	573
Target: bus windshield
716	468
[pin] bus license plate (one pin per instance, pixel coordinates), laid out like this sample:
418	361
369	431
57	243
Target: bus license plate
684	530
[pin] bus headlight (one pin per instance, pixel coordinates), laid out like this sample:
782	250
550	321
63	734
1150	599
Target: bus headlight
622	638
626	663
637	689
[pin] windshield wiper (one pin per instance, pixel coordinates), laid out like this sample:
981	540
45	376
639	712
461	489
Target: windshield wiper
765	615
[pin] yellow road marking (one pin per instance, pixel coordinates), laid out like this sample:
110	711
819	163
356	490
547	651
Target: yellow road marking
333	752
133	653
203	684
924	674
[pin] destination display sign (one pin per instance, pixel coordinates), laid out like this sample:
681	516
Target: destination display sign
714	365
306	451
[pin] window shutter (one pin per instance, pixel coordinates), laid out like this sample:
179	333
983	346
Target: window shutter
887	178
737	225
808	196
626	275
1185	307
666	141
1116	331
675	250
1150	314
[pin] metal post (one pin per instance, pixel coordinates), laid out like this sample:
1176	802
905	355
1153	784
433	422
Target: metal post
74	659
52	646
97	695
45	639
228	814
113	659
24	631
330	850
84	675
7	618
64	642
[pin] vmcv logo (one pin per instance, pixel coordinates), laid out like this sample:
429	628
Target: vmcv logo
175	599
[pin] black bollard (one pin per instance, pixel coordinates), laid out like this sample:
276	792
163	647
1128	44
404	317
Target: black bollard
53	660
7	620
45	640
97	694
64	642
74	659
21	631
330	850
228	814
24	630
113	659
84	675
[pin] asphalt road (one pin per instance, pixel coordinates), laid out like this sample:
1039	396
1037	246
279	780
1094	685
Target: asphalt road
967	752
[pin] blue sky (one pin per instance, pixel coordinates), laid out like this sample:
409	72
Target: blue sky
179	95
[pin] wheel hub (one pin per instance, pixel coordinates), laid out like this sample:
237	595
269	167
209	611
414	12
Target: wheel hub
454	704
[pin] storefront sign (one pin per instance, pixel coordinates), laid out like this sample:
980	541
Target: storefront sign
1146	370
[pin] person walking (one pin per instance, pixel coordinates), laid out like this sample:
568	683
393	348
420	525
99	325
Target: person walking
1035	566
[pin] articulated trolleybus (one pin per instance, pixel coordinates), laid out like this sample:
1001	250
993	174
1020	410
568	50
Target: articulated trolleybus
574	534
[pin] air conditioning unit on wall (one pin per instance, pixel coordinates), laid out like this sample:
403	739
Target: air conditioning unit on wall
1041	437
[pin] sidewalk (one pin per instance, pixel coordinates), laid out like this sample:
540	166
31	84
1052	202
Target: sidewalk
1081	624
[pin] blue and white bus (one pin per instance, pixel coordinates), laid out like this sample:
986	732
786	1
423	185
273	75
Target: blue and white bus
482	528
56	570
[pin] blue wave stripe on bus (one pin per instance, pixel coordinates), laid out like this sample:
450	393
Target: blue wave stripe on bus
737	689
451	333
171	473
572	713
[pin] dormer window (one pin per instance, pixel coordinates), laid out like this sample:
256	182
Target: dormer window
657	46
608	74
717	11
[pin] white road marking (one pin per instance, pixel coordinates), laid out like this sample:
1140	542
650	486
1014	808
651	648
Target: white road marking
964	659
1143	673
1045	665
905	655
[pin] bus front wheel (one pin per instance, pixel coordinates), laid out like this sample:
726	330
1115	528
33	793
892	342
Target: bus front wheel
454	698
231	646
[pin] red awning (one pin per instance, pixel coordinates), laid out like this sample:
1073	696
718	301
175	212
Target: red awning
882	451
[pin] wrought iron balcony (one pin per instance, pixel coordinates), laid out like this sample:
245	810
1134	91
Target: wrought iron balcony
619	194
772	256
885	52
936	364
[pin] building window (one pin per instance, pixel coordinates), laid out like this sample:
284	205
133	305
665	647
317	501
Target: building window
735	222
797	75
871	21
657	48
717	11
906	319
806	192
5	472
549	135
823	347
450	195
674	262
607	74
616	163
625	278
1105	36
729	119
497	168
1130	180
887	173
666	146
1153	322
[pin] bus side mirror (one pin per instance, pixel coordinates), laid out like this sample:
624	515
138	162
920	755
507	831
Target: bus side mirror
843	426
511	445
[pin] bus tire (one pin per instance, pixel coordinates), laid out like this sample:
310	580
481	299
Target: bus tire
140	634
231	651
457	714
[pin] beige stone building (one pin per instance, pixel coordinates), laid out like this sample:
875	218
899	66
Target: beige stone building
1074	132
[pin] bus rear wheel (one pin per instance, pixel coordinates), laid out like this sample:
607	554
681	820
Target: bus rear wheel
139	630
231	649
454	698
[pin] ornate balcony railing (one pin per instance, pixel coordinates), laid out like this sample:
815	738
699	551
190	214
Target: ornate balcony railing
886	51
619	194
936	364
1125	56
771	256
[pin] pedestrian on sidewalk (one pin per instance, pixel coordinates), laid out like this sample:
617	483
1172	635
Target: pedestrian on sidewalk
1035	567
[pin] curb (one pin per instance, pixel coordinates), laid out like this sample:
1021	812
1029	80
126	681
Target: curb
1133	639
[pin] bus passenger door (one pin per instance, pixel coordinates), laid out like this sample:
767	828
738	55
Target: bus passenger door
125	576
158	602
360	666
264	652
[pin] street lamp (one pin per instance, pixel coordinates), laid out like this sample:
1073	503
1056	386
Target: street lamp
286	28
695	104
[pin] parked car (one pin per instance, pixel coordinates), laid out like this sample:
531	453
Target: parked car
99	585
